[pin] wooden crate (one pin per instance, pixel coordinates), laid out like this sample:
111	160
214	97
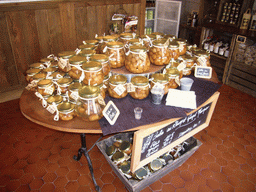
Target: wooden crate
134	185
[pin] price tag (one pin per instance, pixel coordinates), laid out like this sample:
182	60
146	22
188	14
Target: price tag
119	89
62	63
74	95
202	61
51	109
31	85
182	66
49	90
111	112
203	72
130	87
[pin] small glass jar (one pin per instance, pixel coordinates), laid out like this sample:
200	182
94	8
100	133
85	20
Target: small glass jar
147	40
182	45
174	50
162	79
103	59
66	111
118	158
203	58
140	174
189	61
76	62
187	71
58	99
117	86
47	61
87	53
170	37
106	83
93	42
30	73
57	75
63	85
125	167
88	106
110	150
49	71
126	37
63	61
45	87
158	35
93	73
141	85
102	90
73	90
126	147
106	39
159	53
116	53
137	60
155	165
37	66
39	76
174	77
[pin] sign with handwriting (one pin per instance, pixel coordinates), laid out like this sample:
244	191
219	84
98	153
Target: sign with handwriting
111	112
203	72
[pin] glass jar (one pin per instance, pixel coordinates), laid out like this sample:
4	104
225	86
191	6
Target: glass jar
63	61
93	73
30	73
87	47
170	37
160	79
47	61
115	51
89	106
102	90
103	59
63	84
106	83
174	50
45	87
66	111
118	158
126	147
76	62
87	53
147	40
58	99
126	37
189	61
39	76
49	71
93	42
141	85
117	86
174	77
141	173
158	35
73	90
159	53
182	45
57	75
106	39
155	165
187	71
203	58
137	60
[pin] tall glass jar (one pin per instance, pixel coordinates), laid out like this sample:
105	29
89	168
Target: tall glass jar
63	61
160	79
182	45
106	39
115	51
93	73
76	63
89	107
137	60
141	85
147	40
159	53
103	59
174	50
117	86
45	87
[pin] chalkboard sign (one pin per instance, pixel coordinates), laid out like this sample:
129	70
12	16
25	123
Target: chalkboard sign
203	72
162	136
111	112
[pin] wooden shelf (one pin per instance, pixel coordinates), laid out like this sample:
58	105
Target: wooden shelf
219	56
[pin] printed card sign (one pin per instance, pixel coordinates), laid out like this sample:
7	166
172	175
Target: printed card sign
111	112
203	72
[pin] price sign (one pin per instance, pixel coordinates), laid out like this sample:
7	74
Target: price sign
203	72
111	112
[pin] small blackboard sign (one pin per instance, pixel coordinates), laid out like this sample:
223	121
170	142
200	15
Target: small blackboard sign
203	72
111	112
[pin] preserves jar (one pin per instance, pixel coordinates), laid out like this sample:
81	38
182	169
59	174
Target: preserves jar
89	107
106	39
45	87
49	71
62	85
102	90
93	73
76	62
126	147
174	50
155	165
39	76
160	79
116	53
170	37
66	111
137	60
159	53
57	99
94	42
37	66
57	75
118	158
203	58
30	73
141	85
110	150
158	35
103	59
63	61
117	86
73	90
187	71
87	53
182	45
126	37
189	61
87	47
174	76
125	167
47	61
147	40
141	173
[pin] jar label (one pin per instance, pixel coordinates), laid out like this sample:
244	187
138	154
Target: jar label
177	80
119	89
202	61
130	87
142	56
49	90
51	109
31	85
74	95
101	100
182	66
64	63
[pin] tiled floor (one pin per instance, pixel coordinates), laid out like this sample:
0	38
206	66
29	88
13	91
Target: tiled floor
34	158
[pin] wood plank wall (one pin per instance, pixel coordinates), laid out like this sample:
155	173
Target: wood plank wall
31	31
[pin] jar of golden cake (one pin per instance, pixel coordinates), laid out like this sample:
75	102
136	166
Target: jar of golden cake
160	79
126	37
103	59
73	90
89	105
189	61
147	40
57	75
93	73
116	53
141	87
45	87
76	63
159	53
117	86
203	58
173	76
62	85
137	60
174	50
106	39
66	111
63	61
182	45
30	73
57	99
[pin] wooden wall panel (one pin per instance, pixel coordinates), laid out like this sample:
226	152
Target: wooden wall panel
137	13
81	24
91	21
101	19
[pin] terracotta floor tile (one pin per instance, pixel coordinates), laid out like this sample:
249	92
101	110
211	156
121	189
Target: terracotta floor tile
62	171
240	174
52	167
107	178
73	175
204	188
168	188
12	185
26	178
186	176
181	190
72	186
251	162
177	182
36	184
213	184
83	188
108	187
49	177
64	161
214	167
47	187
60	182
209	158
234	181
84	169
156	186
207	173
222	148
234	165
220	177
227	187
191	186
221	161
23	188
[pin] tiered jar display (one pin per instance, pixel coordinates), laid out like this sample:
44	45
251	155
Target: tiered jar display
116	53
103	59
117	86
160	80
89	106
137	60
93	73
63	61
76	62
159	53
141	87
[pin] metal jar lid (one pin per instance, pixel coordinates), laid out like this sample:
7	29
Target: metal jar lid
36	65
99	58
152	37
39	76
92	42
125	167
115	44
88	91
86	47
159	78
126	35
134	42
125	146
87	53
172	71
202	53
75	86
44	83
49	70
118	156
109	38
160	42
173	44
77	60
138	48
32	71
155	165
170	36
139	80
44	60
58	73
92	66
65	107
141	173
110	150
56	98
66	54
64	81
181	41
158	33
117	79
188	58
